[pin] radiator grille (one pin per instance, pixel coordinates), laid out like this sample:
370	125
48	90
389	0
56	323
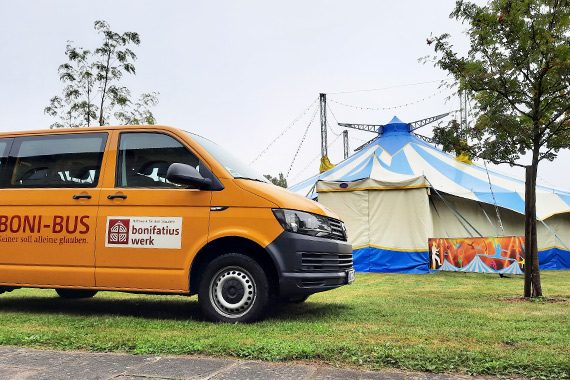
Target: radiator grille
326	262
338	231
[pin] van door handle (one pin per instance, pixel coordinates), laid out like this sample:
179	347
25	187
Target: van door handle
80	196
113	196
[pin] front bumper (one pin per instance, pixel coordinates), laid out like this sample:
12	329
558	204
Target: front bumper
308	264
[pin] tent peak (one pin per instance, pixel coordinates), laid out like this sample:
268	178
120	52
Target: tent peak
396	126
396	120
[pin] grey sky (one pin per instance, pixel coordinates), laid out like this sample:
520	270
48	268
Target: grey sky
239	72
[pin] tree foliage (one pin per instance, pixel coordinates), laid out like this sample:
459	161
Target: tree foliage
517	72
278	181
92	94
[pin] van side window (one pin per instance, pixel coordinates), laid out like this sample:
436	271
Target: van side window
5	145
70	160
144	157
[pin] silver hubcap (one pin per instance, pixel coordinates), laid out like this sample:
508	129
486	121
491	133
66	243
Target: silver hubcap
232	292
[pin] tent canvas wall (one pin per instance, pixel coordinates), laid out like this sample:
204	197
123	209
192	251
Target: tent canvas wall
398	191
388	224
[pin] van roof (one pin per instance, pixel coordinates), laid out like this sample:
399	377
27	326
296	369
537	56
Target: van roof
86	129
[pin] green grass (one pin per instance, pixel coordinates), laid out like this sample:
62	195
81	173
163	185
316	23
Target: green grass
444	322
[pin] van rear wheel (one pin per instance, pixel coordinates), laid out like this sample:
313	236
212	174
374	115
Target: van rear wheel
75	293
234	288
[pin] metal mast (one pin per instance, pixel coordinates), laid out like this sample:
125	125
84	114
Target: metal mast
323	99
345	143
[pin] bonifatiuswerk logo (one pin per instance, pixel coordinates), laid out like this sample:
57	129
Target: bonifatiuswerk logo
118	231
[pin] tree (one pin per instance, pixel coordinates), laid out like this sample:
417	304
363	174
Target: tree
517	72
92	93
278	181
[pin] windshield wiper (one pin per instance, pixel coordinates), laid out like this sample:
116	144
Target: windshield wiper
251	179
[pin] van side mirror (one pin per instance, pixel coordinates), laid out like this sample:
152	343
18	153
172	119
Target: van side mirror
187	175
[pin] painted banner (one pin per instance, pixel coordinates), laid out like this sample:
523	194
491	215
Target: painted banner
478	254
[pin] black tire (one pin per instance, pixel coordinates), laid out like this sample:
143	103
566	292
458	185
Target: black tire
75	293
233	288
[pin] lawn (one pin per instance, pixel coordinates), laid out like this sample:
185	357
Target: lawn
444	322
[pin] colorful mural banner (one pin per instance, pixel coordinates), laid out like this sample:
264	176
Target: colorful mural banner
504	255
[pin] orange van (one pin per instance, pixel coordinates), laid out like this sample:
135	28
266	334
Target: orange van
155	209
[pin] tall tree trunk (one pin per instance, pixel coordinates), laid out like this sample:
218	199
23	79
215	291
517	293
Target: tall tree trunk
532	285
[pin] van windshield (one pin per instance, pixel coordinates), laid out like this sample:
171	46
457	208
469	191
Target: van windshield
234	166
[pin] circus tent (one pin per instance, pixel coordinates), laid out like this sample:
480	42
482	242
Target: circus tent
398	191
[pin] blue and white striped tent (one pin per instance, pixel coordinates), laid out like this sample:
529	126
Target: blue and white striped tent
432	195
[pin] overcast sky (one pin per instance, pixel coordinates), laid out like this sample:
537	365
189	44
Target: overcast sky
241	72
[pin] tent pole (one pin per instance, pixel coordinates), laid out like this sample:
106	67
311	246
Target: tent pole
345	143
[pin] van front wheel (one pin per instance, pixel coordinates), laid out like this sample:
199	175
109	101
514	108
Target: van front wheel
234	288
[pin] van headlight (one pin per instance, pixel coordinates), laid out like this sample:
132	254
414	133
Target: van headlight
303	222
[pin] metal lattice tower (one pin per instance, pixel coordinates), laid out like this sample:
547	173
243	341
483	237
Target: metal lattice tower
323	99
345	143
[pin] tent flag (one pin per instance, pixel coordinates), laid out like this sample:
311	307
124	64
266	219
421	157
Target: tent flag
325	164
385	194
